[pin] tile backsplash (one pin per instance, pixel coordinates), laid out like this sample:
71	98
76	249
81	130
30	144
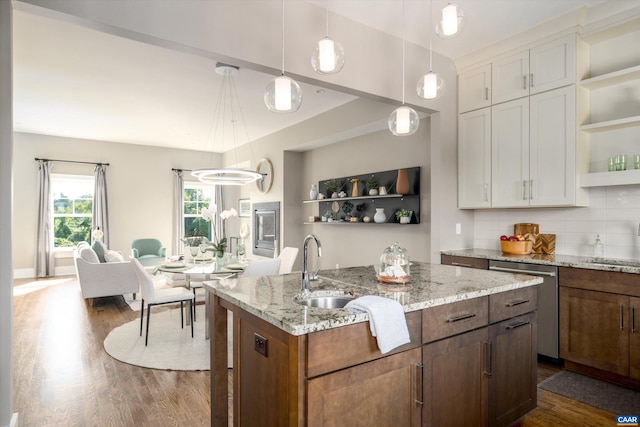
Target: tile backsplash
613	213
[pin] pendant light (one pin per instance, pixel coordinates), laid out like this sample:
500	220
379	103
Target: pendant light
227	100
430	85
283	94
451	22
328	57
403	120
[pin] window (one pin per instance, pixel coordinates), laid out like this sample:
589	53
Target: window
196	197
72	197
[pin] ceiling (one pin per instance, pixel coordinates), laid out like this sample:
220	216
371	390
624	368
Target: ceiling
105	87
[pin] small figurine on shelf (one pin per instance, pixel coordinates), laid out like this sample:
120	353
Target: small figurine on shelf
372	184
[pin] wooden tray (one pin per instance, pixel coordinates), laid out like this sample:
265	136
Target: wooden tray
525	227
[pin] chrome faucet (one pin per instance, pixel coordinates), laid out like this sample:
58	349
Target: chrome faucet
305	271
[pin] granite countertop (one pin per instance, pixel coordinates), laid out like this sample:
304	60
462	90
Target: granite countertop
606	264
271	298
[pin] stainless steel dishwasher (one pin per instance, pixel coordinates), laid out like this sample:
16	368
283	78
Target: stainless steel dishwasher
548	325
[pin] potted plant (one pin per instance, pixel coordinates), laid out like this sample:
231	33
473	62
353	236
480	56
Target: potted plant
372	184
404	216
347	207
333	185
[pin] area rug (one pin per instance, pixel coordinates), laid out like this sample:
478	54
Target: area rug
170	347
599	394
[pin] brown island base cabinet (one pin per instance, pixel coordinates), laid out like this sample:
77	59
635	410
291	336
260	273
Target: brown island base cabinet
600	324
471	362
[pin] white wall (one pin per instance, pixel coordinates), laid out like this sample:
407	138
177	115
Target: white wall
139	186
6	229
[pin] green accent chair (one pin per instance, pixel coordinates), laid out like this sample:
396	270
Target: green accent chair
149	252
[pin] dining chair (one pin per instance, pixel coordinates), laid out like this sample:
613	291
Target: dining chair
153	296
262	267
287	259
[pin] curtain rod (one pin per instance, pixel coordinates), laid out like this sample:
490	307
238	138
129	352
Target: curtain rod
73	161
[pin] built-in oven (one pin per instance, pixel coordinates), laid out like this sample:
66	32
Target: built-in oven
548	310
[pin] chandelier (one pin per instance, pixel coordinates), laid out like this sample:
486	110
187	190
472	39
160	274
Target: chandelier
228	98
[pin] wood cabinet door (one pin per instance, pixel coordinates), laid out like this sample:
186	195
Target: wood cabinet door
510	154
552	148
474	89
385	393
552	65
510	78
634	338
514	358
474	159
455	383
464	261
592	329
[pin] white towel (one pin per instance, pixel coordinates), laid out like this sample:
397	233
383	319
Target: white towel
386	320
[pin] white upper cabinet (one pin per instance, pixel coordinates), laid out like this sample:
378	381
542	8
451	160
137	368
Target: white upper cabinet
545	67
474	89
474	159
552	65
510	78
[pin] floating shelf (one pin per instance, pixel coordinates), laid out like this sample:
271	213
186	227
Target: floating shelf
353	223
611	124
608	179
613	78
387	196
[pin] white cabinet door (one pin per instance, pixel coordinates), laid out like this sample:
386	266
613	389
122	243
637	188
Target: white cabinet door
553	65
474	159
474	89
553	148
509	78
510	154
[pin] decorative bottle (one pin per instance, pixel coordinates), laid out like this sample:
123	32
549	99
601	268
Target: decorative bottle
313	193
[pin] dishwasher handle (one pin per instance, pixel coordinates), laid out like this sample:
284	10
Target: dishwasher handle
515	270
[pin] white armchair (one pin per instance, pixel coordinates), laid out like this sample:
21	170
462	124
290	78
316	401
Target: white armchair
101	279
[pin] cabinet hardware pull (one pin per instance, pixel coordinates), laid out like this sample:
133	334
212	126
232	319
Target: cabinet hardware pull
633	319
486	192
524	190
459	318
514	303
524	81
515	270
487	358
517	325
419	397
459	264
486	93
622	317
531	80
531	190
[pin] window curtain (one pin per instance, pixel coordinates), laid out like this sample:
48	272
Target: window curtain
45	263
178	213
100	213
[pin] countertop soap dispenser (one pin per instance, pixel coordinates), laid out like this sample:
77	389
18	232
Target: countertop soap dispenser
598	248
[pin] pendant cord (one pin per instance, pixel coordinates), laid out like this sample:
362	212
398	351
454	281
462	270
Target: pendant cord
283	37
327	10
430	35
402	52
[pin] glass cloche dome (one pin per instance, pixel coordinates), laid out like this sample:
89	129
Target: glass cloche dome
394	265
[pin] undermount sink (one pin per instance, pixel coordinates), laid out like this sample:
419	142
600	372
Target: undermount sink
326	301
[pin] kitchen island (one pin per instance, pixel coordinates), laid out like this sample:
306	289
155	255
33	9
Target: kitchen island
472	338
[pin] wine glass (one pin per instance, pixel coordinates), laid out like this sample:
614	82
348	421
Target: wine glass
194	252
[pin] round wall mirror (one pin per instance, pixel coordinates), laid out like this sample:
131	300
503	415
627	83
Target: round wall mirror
265	168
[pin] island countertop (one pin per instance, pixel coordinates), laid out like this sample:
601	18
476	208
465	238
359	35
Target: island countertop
271	298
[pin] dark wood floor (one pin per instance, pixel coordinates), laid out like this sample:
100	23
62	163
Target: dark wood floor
63	376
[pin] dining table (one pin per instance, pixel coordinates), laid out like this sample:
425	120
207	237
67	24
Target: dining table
205	270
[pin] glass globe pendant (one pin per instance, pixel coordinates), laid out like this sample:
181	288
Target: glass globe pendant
283	95
452	22
328	57
404	121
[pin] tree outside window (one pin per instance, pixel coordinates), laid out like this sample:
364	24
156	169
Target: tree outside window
72	197
196	197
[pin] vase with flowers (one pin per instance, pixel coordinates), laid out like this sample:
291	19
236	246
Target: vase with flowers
218	243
